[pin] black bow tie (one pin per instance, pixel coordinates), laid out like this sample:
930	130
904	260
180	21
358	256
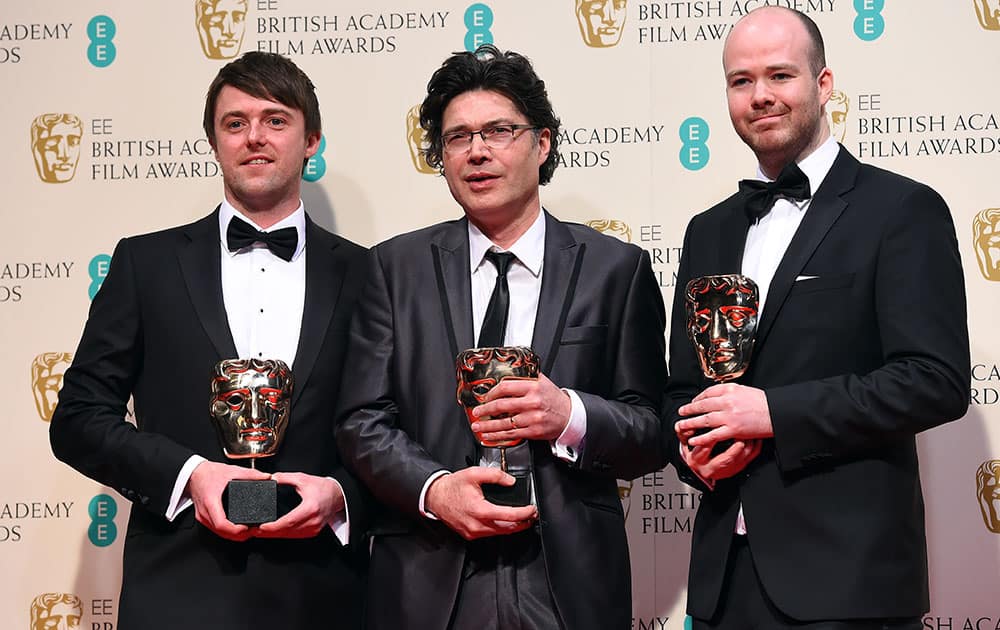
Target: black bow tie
760	196
282	243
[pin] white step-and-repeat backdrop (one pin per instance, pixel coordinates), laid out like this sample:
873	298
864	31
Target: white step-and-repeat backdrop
102	138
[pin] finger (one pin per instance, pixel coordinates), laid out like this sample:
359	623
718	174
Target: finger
488	474
713	392
496	425
695	424
508	387
709	438
500	407
503	513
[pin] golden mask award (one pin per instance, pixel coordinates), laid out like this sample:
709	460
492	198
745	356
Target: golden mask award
478	371
250	408
721	323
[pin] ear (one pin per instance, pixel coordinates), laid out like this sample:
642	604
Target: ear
312	143
544	144
824	83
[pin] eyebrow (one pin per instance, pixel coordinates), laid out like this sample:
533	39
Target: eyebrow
267	112
490	123
770	68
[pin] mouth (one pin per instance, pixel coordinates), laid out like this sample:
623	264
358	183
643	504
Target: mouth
257	161
722	354
256	435
480	181
608	30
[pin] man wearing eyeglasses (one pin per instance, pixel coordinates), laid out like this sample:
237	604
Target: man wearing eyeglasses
444	557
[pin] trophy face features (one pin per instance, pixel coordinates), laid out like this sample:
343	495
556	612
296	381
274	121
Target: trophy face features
251	401
722	321
481	369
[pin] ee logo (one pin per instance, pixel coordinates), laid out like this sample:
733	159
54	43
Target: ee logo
102	510
694	150
478	20
316	165
869	25
98	269
101	30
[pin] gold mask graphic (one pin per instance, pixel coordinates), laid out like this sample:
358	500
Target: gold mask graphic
612	227
986	240
46	380
55	146
601	21
220	24
416	140
988	493
625	494
838	106
56	611
988	12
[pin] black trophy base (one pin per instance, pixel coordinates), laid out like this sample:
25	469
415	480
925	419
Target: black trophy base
253	502
517	495
718	448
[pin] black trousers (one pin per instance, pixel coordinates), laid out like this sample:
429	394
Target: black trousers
505	586
746	606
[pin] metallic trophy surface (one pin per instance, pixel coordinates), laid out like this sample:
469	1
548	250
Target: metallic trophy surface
250	409
478	371
721	323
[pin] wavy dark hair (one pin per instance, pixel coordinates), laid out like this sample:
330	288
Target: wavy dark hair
507	73
269	76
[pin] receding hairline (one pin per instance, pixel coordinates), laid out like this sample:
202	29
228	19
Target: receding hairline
816	52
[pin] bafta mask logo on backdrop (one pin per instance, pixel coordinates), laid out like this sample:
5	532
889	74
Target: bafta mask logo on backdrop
601	21
56	611
625	495
55	145
612	227
988	12
986	240
988	493
220	24
416	140
837	109
46	380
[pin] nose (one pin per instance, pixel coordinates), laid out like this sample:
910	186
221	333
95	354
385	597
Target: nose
228	26
606	13
256	134
762	95
62	149
478	150
719	331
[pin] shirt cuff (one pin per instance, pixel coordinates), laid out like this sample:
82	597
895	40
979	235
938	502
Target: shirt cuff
341	521
180	500
423	494
568	445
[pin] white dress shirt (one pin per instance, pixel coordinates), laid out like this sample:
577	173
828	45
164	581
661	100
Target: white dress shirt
768	238
524	280
264	298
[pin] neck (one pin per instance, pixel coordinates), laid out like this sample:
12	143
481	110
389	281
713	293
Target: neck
504	233
772	165
264	215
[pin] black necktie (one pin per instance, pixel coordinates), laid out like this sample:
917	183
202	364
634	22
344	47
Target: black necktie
282	243
760	196
495	321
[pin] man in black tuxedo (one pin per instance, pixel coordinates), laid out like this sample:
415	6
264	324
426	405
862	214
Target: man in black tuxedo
813	517
443	556
254	279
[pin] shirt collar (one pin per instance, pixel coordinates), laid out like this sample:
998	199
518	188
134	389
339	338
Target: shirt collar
816	165
296	220
529	249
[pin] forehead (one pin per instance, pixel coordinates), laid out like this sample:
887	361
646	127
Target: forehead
250	377
223	6
233	100
473	109
766	37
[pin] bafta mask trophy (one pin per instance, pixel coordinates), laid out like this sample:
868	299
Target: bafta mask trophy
721	323
251	400
478	371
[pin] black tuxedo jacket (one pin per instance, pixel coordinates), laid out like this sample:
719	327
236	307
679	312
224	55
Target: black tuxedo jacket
156	329
862	343
598	330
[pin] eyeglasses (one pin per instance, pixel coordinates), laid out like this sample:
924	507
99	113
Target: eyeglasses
495	137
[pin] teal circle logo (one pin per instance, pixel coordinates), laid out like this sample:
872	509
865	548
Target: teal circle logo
478	21
97	269
316	165
688	624
101	30
694	153
102	510
869	24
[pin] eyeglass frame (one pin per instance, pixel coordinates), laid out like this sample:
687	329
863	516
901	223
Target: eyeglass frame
468	135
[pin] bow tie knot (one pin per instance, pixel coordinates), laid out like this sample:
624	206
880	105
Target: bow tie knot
760	196
282	243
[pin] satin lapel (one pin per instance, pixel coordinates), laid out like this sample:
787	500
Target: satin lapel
324	280
733	237
560	271
450	253
826	206
202	270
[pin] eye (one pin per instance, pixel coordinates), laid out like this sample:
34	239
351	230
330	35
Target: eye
276	122
737	319
234	125
500	132
235	400
481	389
701	322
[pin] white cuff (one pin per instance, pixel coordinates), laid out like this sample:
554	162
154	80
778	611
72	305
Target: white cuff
341	521
423	494
180	499
569	443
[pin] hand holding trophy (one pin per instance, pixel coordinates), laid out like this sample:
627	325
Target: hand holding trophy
478	371
250	408
721	323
